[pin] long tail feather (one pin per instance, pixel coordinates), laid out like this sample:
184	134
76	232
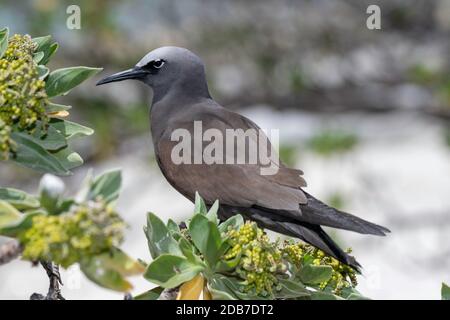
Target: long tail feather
316	212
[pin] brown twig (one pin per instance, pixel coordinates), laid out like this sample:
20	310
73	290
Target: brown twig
169	294
54	291
9	251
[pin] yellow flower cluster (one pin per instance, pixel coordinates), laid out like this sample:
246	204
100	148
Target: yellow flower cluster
260	259
5	142
22	94
343	276
87	230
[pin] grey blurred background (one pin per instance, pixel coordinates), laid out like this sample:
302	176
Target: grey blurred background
364	113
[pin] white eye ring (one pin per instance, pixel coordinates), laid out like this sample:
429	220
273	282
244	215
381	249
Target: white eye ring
157	64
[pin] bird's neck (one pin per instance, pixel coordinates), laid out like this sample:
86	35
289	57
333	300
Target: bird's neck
187	87
169	101
170	108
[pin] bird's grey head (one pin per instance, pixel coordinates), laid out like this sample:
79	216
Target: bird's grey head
168	70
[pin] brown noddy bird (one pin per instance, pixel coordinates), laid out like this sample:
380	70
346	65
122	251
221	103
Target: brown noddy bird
276	202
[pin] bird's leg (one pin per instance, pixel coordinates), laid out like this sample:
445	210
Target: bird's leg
54	291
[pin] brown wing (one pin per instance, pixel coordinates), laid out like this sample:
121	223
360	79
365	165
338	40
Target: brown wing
234	184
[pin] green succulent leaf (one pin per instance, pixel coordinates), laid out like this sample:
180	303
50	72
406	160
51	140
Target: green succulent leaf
46	46
319	295
200	207
228	265
61	81
102	274
42	42
32	155
152	294
234	222
68	158
8	214
37	56
311	274
233	285
106	186
50	139
70	129
55	107
188	250
49	53
212	213
173	228
19	199
43	71
170	271
445	292
291	290
25	222
356	296
206	237
120	262
218	289
3	40
159	239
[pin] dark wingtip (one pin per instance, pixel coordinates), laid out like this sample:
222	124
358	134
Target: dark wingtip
380	231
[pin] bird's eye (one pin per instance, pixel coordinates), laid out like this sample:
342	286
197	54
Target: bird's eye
157	64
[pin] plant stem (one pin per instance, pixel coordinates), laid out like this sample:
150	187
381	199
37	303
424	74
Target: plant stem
169	294
9	251
54	291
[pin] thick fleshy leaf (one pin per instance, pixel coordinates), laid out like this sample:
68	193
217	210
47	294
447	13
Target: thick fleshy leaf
231	286
68	158
70	129
188	250
19	199
43	71
319	295
32	155
8	214
445	292
311	274
159	239
61	81
97	271
3	40
200	207
25	222
212	213
107	186
206	238
55	107
291	290
218	290
45	45
152	294
355	296
170	271
173	227
234	223
49	139
347	292
38	56
120	262
42	42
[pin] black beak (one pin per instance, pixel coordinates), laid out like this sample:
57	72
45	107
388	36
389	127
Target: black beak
135	73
